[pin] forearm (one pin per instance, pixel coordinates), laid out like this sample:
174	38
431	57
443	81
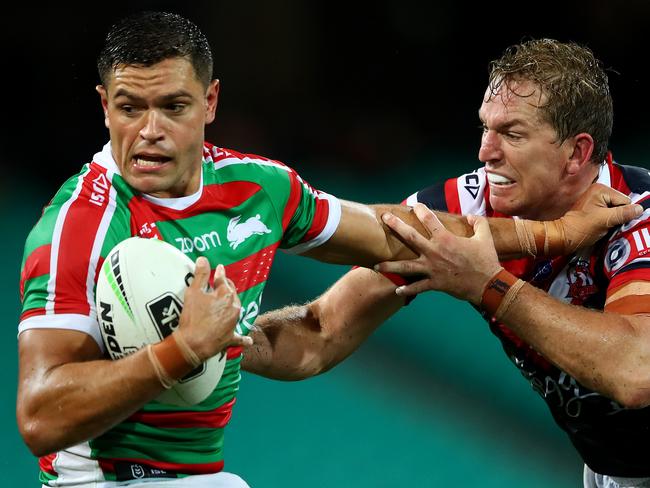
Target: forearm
503	231
297	342
74	402
607	352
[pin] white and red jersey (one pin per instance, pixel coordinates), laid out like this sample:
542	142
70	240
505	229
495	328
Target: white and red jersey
610	438
246	208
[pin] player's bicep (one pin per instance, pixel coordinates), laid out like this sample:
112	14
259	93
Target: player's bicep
41	350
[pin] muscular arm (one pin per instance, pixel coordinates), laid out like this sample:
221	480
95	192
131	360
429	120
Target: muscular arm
300	341
606	351
363	238
67	393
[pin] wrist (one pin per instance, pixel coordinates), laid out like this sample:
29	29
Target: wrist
499	293
540	238
172	359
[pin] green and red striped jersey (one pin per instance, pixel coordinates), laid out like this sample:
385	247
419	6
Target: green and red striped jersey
246	208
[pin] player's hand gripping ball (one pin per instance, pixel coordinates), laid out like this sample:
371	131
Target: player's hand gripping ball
139	299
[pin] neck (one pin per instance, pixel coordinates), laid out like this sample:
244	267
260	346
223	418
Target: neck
570	193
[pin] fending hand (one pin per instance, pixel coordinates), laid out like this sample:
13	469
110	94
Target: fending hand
460	266
597	210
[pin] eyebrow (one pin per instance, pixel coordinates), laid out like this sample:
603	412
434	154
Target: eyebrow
164	99
508	124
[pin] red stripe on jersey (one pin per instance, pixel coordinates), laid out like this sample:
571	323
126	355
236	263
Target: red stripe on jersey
214	198
293	201
37	264
234	352
32	312
250	271
641	274
220	153
46	464
616	177
108	465
451	196
76	242
214	419
321	215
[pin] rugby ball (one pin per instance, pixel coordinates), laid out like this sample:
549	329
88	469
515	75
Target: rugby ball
139	299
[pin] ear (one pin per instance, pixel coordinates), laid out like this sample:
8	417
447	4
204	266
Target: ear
103	95
582	148
211	99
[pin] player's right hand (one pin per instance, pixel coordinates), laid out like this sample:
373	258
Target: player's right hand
597	210
210	315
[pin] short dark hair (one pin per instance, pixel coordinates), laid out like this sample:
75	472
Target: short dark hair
147	38
574	82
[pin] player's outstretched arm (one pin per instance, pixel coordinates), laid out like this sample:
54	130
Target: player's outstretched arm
300	341
608	352
69	393
363	238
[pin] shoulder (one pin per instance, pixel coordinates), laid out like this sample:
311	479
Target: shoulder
224	160
464	194
632	180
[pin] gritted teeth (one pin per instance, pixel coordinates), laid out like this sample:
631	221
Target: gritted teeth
149	160
498	179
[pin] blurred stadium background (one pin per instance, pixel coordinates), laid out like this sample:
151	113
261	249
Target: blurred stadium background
367	101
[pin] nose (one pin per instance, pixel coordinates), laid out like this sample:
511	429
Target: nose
152	129
490	150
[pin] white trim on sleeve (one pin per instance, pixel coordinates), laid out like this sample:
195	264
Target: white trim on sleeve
333	220
70	321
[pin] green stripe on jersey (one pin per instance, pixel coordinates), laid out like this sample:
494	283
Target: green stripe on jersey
44	477
36	292
139	441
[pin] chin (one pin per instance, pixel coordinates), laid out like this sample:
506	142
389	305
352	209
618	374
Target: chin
147	185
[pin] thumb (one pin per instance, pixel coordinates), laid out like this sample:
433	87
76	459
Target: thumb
622	215
614	197
201	274
481	227
240	340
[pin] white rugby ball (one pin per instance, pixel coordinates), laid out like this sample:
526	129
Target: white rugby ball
139	299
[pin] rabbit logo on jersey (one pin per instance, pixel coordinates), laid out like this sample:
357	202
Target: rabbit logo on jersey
239	232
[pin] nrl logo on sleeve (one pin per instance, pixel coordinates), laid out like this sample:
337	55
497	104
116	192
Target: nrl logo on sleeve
238	231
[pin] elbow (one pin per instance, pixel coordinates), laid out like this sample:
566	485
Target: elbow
632	397
632	390
40	437
36	436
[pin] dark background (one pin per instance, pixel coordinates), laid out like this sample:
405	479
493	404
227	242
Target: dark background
348	86
369	101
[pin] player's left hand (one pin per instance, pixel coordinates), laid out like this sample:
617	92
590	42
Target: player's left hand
597	210
460	266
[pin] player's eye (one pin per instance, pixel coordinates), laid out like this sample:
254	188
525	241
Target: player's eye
127	109
176	108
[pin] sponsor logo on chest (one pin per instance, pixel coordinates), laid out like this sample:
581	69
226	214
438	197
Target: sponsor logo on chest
238	232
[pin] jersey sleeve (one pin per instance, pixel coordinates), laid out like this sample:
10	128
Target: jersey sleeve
310	216
627	255
64	251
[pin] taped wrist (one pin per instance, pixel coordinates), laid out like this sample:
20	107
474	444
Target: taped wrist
172	359
499	293
540	238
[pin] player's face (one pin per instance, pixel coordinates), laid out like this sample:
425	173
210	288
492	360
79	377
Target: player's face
156	117
525	163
